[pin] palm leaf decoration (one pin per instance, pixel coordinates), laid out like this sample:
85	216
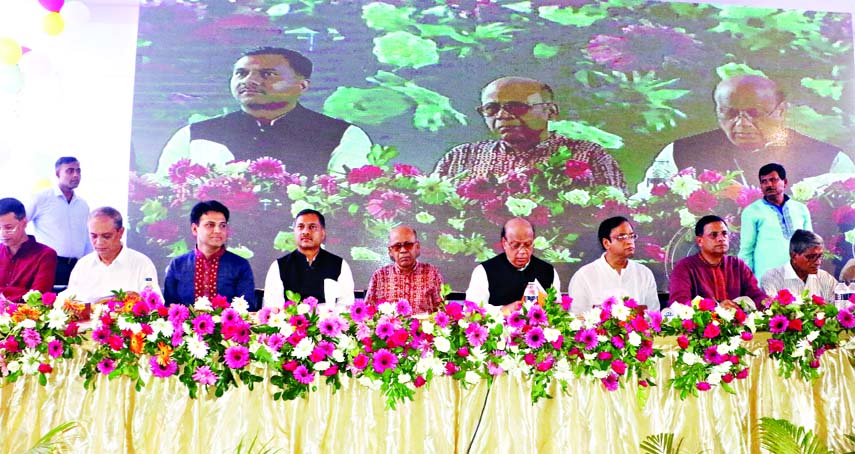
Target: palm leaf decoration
55	441
661	444
850	438
783	437
253	449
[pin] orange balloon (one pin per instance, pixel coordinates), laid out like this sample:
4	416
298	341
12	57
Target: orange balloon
53	24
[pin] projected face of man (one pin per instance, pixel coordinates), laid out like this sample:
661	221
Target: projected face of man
521	130
266	86
750	111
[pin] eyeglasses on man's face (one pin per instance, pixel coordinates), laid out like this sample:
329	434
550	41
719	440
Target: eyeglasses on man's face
8	228
515	108
625	237
406	245
752	113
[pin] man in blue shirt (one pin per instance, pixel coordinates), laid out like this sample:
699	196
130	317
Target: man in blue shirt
769	223
210	269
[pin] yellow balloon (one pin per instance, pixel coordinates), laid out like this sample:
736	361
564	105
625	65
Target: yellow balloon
10	51
53	24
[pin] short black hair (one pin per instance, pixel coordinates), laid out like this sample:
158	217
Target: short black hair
803	240
316	213
773	167
298	62
708	219
14	206
605	230
64	160
207	206
108	212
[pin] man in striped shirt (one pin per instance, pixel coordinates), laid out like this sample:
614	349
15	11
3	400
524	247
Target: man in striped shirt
802	271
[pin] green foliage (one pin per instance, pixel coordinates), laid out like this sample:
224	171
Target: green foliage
405	50
284	241
381	155
153	211
254	448
386	17
360	253
241	251
827	88
56	440
583	131
736	69
661	444
783	437
371	106
585	16
433	110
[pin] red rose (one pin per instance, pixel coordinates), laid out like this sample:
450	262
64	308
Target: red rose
162	311
290	366
689	325
451	368
727	378
819	322
45	368
70	330
775	345
529	359
747	336
739	316
706	304
619	367
419	381
795	324
361	361
399	338
701	202
683	342
818	300
364	174
743	374
116	342
332	370
814	364
463	352
712	331
48	298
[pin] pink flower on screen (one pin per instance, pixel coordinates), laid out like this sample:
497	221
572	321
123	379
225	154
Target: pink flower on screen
388	205
406	170
643	47
266	167
477	189
539	216
701	202
747	196
183	170
328	183
710	176
576	169
236	356
364	174
204	376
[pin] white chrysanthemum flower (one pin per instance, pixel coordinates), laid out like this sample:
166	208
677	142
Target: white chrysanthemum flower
203	304
427	326
338	356
303	348
724	349
197	347
691	359
13	366
687	219
551	334
683	311
442	344
124	325
321	366
27	323
803	190
812	336
386	308
578	197
303	309
634	339
620	312
562	370
240	305
57	318
5	320
345	342
30	360
684	185
160	326
714	378
600	374
463	323
724	313
477	354
471	377
576	324
404	378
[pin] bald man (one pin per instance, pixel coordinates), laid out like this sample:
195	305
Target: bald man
751	112
517	111
406	278
502	280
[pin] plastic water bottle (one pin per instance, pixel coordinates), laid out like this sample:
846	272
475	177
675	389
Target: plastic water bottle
530	295
148	283
841	295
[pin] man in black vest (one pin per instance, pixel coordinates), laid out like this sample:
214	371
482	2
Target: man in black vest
268	83
751	112
309	270
502	280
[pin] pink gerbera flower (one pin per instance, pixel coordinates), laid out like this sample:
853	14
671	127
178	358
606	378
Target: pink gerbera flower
587	337
536	316
476	334
330	327
403	307
302	375
204	376
516	320
236	356
383	360
358	311
162	371
534	338
106	365
778	324
55	348
846	319
203	324
388	204
384	330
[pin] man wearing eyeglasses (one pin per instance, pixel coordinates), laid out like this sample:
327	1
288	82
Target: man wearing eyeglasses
24	264
711	273
768	223
518	110
407	279
802	272
613	275
501	280
210	269
309	270
751	112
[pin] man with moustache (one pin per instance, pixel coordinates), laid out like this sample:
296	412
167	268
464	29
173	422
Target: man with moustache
768	223
112	266
59	215
613	275
751	112
210	269
309	270
518	110
802	272
24	264
711	273
406	279
267	83
501	280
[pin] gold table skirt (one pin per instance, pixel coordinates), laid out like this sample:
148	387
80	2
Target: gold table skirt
444	418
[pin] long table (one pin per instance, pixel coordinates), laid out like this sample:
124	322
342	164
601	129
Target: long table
446	417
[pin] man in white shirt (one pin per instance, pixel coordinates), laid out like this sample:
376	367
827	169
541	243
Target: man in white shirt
501	280
112	266
309	270
59	216
802	272
613	274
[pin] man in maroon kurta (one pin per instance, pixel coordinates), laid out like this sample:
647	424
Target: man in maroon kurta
711	273
24	264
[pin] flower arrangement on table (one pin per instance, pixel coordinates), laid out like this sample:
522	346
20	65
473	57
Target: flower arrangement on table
803	328
136	336
35	335
712	345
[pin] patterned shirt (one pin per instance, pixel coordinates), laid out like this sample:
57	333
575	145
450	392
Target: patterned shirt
785	277
205	277
497	157
421	287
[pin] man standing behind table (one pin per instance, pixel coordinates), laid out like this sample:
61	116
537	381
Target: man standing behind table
309	270
502	280
268	83
768	223
802	272
210	269
407	278
711	273
518	110
613	275
112	266
59	215
24	264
